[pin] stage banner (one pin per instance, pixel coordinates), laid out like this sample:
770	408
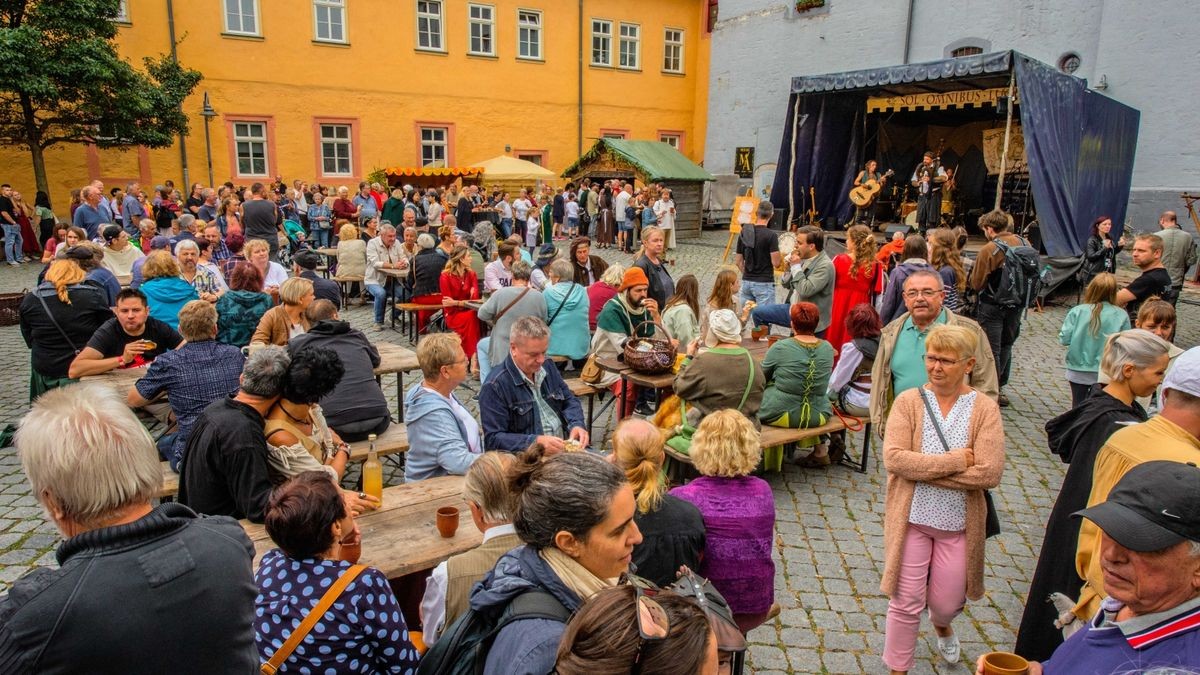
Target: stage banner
993	147
967	98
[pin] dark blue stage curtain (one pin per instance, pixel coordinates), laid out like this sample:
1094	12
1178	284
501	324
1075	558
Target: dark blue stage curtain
1080	146
828	141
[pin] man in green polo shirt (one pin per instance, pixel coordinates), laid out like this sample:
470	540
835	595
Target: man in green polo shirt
900	362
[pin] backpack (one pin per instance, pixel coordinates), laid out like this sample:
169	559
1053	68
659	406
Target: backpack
1020	282
463	648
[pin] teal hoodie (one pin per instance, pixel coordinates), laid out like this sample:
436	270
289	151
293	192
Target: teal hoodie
1084	348
569	334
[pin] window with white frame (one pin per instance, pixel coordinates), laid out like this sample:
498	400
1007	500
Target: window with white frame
336	150
673	50
122	12
250	140
529	34
331	20
670	139
481	24
433	145
631	45
601	42
620	135
429	25
534	158
241	17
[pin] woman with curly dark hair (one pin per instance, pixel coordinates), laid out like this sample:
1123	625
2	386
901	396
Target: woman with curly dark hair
298	438
363	630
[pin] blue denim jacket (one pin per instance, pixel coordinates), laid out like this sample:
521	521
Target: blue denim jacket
510	416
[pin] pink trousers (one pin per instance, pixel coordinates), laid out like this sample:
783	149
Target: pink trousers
933	574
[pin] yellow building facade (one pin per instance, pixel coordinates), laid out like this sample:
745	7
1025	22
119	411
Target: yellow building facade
329	90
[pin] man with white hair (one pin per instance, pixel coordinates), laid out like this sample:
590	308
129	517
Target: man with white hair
384	253
224	463
124	596
88	214
201	278
208	210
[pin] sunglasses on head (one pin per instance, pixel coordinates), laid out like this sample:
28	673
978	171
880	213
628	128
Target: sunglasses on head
652	621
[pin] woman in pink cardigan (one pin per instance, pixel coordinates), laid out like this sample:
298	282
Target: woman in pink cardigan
935	511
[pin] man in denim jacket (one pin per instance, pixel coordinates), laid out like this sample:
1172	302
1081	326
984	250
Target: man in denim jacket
526	400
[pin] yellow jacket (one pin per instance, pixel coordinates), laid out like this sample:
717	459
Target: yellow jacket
1156	439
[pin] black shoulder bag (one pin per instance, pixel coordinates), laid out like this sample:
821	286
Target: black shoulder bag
54	321
992	523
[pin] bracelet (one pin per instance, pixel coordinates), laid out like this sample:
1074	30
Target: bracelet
342	447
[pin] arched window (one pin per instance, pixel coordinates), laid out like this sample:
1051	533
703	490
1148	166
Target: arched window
968	46
966	51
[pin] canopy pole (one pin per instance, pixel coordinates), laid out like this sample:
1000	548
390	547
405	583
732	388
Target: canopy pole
792	167
1012	82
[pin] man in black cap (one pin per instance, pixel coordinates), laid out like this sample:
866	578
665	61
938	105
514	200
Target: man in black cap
305	263
1150	556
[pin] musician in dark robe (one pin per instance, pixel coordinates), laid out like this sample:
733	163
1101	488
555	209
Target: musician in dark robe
928	179
1076	436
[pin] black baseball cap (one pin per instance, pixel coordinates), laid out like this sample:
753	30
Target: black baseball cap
1154	506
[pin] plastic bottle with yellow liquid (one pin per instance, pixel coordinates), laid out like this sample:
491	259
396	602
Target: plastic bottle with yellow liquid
372	472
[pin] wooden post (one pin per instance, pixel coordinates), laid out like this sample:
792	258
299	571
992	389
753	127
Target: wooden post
792	166
1012	82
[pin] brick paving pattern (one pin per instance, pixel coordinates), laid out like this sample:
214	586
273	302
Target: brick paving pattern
829	531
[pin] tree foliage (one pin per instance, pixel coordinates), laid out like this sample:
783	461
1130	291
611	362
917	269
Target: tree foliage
62	81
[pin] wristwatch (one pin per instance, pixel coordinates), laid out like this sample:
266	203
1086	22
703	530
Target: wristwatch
342	447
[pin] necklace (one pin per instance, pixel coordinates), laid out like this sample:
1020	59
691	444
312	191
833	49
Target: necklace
307	418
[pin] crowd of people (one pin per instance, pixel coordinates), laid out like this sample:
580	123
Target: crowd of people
262	387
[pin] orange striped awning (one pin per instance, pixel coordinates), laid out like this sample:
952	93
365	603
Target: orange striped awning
454	171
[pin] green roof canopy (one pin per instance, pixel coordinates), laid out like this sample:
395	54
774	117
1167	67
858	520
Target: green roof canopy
658	161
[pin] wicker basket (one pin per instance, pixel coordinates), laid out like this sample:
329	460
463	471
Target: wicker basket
10	306
650	356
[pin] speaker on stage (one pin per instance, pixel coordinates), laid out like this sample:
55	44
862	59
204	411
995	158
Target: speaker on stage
830	224
778	220
1002	106
899	227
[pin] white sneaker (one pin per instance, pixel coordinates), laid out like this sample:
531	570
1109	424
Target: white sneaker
949	648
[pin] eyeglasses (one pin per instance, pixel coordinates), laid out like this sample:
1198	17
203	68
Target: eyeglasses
652	621
924	293
939	361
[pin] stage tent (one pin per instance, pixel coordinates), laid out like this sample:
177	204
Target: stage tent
1079	144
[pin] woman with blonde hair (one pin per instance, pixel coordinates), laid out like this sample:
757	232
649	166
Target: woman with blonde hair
166	291
258	253
485	488
672	529
943	448
724	296
858	278
739	516
944	257
1085	330
287	319
57	320
351	257
460	287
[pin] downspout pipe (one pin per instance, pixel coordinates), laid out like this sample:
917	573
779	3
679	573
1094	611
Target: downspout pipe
908	31
579	88
183	158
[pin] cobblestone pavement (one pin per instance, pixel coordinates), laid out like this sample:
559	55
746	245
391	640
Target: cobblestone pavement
829	531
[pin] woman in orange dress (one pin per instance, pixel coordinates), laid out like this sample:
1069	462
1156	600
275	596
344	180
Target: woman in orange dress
460	285
858	279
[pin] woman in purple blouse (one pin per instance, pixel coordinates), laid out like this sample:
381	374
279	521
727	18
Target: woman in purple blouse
739	515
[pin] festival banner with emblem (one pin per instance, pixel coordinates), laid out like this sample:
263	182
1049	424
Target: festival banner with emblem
968	98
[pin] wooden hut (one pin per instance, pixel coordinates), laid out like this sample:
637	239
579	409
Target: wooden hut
646	162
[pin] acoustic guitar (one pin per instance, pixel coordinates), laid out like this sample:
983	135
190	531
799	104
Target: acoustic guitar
864	194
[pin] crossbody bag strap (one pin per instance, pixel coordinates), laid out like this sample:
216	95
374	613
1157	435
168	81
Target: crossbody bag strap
561	305
749	382
310	620
54	321
509	306
937	424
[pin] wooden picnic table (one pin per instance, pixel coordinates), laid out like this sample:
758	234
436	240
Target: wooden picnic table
401	537
393	277
119	380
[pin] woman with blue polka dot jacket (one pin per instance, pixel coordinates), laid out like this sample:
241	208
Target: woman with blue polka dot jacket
363	630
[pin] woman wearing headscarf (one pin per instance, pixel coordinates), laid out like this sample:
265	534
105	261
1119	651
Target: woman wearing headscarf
547	254
722	376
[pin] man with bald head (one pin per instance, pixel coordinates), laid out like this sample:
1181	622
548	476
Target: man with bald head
1179	250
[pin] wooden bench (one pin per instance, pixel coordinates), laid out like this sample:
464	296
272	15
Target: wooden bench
394	441
680	466
344	281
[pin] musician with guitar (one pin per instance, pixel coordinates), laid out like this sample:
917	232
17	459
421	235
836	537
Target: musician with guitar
867	186
928	179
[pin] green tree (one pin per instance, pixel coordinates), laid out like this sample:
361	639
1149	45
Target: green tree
62	81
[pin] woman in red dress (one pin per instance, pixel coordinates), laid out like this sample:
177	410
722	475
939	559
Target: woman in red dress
29	239
460	285
858	279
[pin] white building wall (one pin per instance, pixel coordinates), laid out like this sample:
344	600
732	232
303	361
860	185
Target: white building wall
1143	50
